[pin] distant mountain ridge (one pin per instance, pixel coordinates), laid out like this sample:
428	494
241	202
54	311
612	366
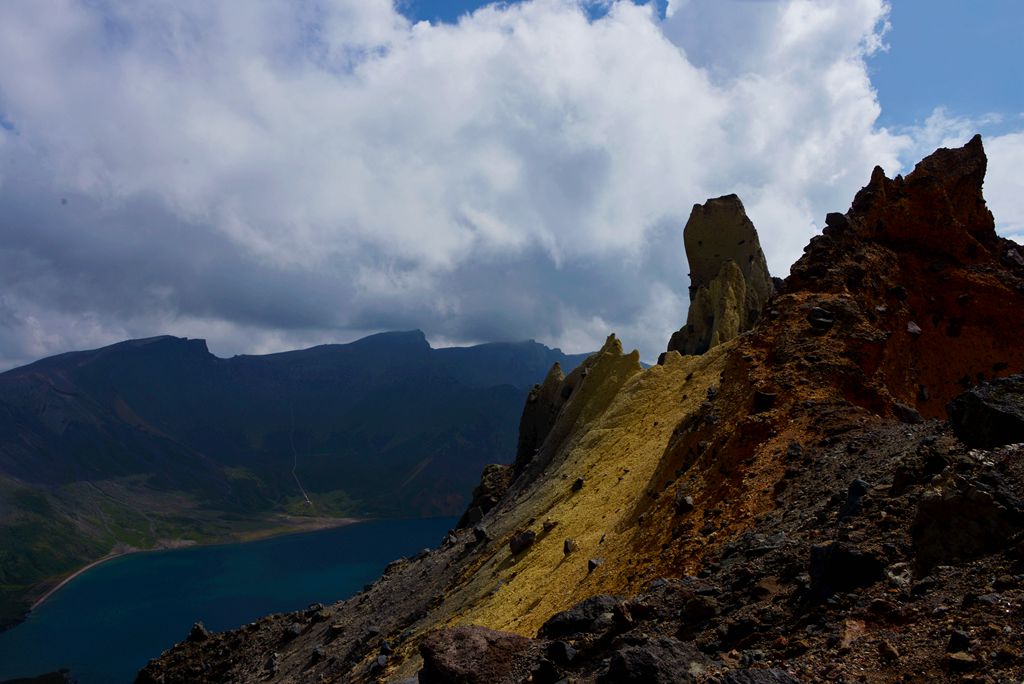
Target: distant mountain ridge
158	439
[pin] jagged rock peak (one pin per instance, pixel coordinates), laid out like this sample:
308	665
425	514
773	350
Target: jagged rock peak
729	279
612	345
939	205
938	210
539	434
916	268
539	414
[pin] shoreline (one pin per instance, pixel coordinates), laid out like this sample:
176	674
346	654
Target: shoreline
60	585
291	526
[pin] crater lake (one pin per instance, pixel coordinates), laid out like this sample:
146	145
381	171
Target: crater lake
105	624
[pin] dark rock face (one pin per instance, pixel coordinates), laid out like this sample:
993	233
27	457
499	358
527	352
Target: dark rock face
593	615
959	520
766	676
548	414
659	661
990	415
539	415
494	483
926	287
729	279
470	655
842	567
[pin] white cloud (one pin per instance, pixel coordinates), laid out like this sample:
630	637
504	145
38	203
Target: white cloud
280	172
1004	185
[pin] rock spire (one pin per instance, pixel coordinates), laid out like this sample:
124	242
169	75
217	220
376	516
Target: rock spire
729	279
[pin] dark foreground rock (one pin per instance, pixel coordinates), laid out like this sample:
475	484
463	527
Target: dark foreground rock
991	414
659	661
594	615
471	655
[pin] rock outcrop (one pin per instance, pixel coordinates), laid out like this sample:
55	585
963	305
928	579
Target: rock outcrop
539	415
922	290
472	655
729	279
494	483
990	415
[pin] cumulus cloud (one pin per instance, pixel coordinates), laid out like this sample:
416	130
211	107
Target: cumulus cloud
275	174
1004	184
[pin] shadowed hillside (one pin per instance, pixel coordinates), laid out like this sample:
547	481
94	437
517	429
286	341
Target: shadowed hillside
155	441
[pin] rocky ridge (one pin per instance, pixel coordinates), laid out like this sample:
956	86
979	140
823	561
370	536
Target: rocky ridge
790	506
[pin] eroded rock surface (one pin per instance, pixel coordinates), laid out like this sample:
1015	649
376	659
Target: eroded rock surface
471	655
991	414
729	279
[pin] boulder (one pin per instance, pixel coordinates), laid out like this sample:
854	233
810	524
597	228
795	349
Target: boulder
522	541
855	494
561	652
198	633
683	502
470	655
593	615
839	566
657	661
958	521
990	415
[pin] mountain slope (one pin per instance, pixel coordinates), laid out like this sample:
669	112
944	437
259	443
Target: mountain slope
813	524
153	441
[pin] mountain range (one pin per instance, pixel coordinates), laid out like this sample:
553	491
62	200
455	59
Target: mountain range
157	442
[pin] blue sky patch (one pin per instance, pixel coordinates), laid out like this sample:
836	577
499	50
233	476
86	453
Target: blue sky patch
449	11
942	53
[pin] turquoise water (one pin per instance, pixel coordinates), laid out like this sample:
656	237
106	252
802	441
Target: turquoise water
107	623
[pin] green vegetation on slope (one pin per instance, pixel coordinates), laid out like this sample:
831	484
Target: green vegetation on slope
151	442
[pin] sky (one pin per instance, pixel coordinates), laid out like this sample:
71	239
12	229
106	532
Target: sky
280	174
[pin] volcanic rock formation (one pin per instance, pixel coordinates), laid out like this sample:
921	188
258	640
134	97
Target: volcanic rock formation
729	279
790	506
924	295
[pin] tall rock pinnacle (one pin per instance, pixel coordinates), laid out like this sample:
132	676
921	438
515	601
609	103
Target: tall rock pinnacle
729	279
